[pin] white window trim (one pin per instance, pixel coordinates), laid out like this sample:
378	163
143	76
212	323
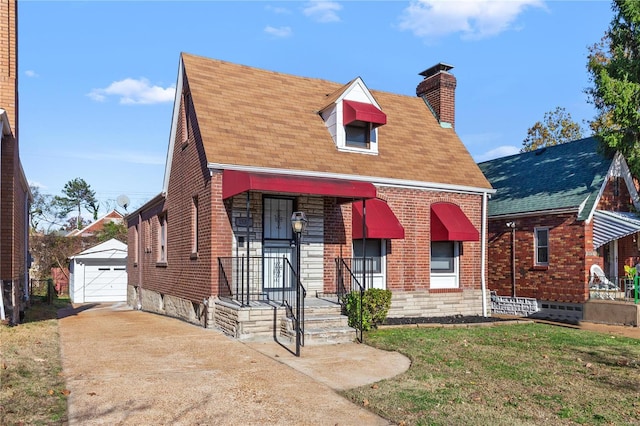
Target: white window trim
535	245
448	279
162	238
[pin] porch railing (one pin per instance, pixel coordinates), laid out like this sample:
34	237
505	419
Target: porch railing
614	288
353	275
263	278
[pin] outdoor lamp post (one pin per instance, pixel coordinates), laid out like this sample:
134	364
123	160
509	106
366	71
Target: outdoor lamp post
298	224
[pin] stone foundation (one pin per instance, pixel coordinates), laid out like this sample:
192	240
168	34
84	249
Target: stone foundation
517	306
248	322
417	304
198	313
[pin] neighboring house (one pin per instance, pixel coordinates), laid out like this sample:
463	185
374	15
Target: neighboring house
90	230
99	274
371	169
15	195
61	278
565	208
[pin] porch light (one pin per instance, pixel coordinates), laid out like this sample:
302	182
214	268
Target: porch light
298	222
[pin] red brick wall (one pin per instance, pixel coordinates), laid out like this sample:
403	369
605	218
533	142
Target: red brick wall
13	188
408	260
564	280
187	275
9	62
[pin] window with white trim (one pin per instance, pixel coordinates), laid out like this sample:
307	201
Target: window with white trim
194	225
373	251
162	238
541	246
445	264
360	134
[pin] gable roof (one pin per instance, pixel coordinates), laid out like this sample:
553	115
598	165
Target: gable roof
98	225
110	249
561	177
254	118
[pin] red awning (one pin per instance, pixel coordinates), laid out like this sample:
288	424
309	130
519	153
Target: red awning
381	222
236	182
449	223
358	111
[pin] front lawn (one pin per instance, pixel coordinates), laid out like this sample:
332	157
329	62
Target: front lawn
32	388
524	374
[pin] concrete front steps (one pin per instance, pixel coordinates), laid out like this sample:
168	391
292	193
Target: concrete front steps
324	324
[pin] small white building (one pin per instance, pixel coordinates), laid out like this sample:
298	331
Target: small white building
99	274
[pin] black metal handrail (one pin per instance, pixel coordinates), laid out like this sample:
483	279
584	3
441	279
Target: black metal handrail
347	265
295	300
264	278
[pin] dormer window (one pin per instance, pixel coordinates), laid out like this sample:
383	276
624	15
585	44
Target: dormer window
353	124
360	121
360	134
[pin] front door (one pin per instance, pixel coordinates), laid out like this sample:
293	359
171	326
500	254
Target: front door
278	252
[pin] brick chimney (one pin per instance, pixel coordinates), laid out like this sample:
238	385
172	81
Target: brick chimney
438	89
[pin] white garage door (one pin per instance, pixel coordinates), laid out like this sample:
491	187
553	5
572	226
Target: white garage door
105	283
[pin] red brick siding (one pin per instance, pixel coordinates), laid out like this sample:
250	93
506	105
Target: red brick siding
564	280
184	275
9	62
408	260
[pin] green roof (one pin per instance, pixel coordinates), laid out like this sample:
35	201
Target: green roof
556	177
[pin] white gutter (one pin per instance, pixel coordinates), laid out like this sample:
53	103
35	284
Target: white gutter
483	249
376	180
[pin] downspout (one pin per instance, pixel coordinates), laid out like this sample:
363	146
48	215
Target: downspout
364	243
140	259
483	250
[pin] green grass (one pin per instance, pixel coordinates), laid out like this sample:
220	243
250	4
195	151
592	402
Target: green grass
32	385
507	375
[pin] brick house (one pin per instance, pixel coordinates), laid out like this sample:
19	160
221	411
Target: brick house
15	194
114	216
376	174
557	212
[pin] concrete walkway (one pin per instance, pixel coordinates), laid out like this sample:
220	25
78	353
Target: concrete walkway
130	367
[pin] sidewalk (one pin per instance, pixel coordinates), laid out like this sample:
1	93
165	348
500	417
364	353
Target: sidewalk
131	367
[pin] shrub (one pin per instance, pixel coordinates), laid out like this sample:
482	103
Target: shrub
375	306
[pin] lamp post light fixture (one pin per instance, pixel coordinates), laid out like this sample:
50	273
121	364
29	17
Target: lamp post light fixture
298	224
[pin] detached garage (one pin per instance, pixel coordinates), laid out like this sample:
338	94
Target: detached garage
99	274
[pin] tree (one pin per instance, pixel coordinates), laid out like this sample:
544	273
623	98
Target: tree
557	127
614	67
43	214
78	194
117	230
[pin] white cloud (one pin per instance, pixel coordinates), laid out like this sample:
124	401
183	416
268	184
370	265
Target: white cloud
132	91
323	11
281	32
501	151
278	10
474	19
31	73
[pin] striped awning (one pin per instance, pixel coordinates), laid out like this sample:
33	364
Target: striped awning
609	226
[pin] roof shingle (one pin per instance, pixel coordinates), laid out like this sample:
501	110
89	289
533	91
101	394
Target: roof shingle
253	117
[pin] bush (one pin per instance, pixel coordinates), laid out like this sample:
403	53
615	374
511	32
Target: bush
375	306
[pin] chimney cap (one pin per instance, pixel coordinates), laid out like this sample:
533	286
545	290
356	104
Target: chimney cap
436	69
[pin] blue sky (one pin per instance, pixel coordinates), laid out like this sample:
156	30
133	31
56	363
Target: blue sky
97	79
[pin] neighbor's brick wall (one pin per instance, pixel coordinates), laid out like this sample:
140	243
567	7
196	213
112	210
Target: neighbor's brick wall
564	280
9	62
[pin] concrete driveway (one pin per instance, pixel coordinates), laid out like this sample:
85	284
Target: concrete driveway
131	367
